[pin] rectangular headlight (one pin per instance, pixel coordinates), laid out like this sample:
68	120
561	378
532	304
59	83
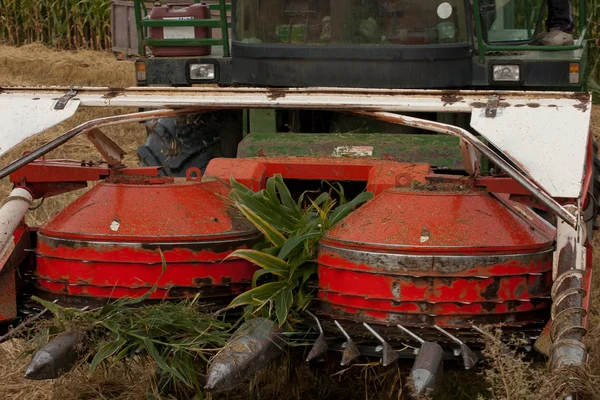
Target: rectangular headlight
204	72
506	73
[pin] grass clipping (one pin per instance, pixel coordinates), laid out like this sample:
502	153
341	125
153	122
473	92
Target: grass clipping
178	337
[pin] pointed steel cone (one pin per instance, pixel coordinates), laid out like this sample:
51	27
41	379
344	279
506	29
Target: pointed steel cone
56	358
427	369
426	372
255	344
351	351
469	358
388	355
320	347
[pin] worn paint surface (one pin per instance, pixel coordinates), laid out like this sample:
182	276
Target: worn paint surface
107	243
453	222
437	150
402	100
548	143
480	263
379	174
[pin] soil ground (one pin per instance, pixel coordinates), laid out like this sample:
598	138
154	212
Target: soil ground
22	66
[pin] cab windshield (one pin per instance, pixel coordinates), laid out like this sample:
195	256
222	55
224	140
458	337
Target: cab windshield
340	22
505	21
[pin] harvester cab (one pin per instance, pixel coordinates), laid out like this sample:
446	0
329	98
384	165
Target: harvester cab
473	139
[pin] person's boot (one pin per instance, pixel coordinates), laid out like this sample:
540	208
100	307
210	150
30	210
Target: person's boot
556	37
536	39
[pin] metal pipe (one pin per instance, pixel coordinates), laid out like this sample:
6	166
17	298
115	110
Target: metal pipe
11	214
433	126
86	127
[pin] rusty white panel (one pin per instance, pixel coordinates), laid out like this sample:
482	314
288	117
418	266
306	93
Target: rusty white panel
546	139
24	117
397	100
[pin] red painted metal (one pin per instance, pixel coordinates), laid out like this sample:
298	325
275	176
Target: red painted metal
379	174
448	257
437	222
108	243
51	178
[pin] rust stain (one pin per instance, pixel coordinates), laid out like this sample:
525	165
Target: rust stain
450	99
583	99
533	105
275	94
478	104
113	92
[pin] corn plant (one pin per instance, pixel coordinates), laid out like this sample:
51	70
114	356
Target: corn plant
292	231
64	24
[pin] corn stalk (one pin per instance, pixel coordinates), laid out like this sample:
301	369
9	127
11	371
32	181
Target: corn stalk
64	24
292	230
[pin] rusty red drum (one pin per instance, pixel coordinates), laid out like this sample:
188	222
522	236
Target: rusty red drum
108	243
419	258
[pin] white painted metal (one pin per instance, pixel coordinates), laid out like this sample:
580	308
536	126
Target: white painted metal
23	117
11	213
547	141
569	237
397	100
543	133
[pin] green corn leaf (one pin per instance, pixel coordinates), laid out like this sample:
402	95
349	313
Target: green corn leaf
238	187
52	307
339	190
124	352
284	194
258	274
321	212
146	295
106	351
262	206
296	242
270	232
111	325
162	364
305	272
258	295
283	303
271	189
303	298
344	210
323	197
263	260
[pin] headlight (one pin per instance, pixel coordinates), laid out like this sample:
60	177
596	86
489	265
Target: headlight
204	72
507	73
140	71
574	73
